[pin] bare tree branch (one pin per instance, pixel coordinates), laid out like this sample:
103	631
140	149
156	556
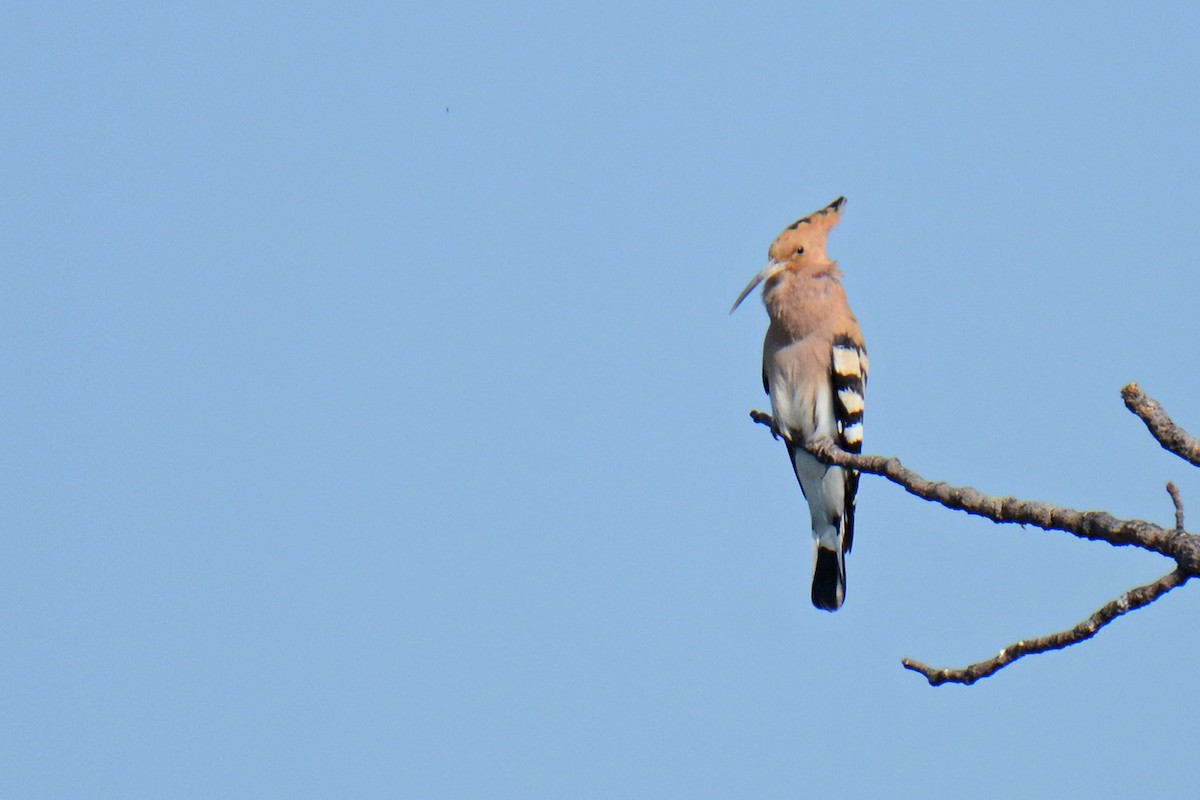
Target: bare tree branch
1130	601
1169	435
1174	543
1095	525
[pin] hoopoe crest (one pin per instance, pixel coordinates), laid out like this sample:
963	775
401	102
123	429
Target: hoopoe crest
815	371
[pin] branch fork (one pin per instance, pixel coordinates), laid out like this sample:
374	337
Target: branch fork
1174	543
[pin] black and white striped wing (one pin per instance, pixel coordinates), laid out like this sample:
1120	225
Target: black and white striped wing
849	373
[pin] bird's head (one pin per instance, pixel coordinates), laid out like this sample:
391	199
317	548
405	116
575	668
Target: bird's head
801	243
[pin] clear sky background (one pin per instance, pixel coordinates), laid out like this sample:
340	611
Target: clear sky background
373	426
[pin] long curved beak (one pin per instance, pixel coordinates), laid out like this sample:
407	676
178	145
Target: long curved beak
772	269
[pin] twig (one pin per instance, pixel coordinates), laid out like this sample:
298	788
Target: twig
1172	437
1131	600
1173	490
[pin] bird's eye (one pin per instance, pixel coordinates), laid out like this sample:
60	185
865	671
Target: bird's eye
799	251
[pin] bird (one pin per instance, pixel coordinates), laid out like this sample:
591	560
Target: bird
815	372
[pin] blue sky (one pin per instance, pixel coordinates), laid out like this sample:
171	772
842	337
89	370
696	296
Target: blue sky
373	425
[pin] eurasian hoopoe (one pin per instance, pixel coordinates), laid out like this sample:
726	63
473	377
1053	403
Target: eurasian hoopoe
815	370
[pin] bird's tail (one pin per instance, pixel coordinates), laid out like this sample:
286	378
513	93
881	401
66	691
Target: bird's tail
829	578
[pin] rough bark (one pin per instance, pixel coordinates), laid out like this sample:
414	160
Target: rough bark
1169	435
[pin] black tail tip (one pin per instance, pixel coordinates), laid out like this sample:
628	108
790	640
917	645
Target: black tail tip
829	582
